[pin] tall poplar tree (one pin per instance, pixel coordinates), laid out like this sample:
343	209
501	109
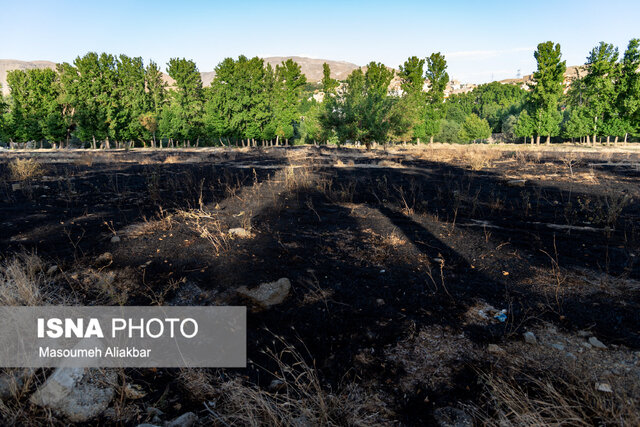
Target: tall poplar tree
546	90
600	90
438	78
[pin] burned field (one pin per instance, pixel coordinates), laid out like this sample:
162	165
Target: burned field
433	285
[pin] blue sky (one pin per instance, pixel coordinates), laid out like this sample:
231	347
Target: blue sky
481	40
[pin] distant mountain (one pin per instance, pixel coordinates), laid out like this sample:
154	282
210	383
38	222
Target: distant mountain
310	67
572	72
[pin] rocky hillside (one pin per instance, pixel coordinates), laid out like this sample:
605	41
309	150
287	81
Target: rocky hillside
311	67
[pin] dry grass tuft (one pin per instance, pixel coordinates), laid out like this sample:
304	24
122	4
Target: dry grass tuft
25	169
524	400
171	160
85	159
296	397
23	281
478	158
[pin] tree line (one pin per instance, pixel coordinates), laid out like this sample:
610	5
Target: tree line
104	100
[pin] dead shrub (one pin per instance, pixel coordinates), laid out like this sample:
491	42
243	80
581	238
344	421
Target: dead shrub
25	169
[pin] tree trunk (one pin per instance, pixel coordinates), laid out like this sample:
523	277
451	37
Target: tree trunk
548	140
537	139
431	139
93	142
625	138
608	140
615	141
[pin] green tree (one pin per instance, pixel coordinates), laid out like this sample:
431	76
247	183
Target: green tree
363	111
438	78
474	128
413	101
187	100
600	88
576	123
35	111
628	91
156	88
329	85
525	126
509	126
546	90
450	131
289	84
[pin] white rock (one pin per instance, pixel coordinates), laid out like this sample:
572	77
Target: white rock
268	294
115	239
71	393
604	387
597	343
530	338
52	270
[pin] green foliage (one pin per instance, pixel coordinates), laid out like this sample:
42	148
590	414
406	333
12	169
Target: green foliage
525	126
36	114
492	101
412	76
186	102
599	84
363	111
547	89
474	128
438	78
509	127
329	85
628	91
576	123
449	132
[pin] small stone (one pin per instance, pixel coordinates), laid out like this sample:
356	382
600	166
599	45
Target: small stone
584	333
570	355
152	410
597	343
185	420
557	346
530	338
16	187
604	387
268	294
115	239
380	301
240	232
494	348
52	270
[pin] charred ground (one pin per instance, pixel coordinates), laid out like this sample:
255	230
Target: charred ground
396	258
